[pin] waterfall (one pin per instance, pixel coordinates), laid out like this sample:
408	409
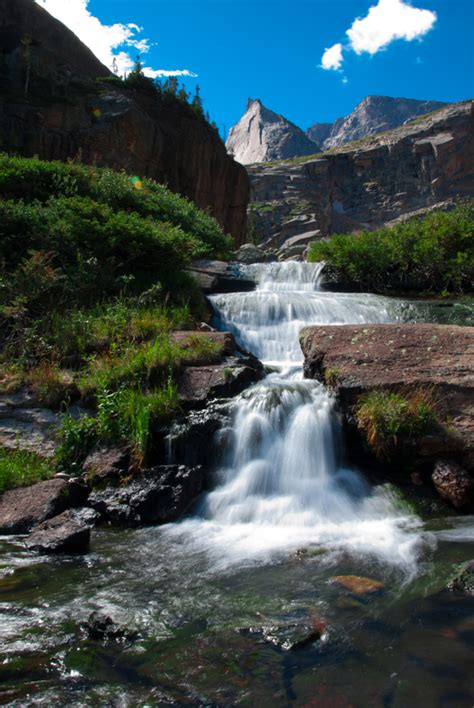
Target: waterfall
283	484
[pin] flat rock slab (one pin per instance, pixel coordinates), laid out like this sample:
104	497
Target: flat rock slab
21	509
65	533
390	356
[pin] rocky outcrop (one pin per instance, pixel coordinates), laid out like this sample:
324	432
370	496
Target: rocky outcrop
453	483
220	277
438	358
65	533
374	114
54	107
412	169
262	136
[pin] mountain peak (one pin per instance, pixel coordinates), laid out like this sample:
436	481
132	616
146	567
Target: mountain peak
262	135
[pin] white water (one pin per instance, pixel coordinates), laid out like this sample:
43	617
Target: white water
284	485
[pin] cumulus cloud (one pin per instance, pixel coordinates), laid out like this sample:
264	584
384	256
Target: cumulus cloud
112	44
385	22
332	57
158	73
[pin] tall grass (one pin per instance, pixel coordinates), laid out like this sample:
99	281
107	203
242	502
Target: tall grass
19	468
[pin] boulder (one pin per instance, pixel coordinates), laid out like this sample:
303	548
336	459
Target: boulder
101	627
155	496
21	509
403	358
453	483
248	254
198	385
220	277
289	632
65	533
357	584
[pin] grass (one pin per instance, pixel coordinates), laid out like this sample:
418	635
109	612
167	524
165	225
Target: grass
19	468
386	418
433	254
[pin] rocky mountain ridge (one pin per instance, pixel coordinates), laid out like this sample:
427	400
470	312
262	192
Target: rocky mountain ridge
374	114
262	136
419	166
54	106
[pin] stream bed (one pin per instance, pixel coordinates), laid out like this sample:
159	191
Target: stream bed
244	602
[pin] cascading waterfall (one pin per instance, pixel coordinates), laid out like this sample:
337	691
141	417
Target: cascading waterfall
283	483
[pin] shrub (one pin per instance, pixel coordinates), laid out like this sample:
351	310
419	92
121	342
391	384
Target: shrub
432	254
386	418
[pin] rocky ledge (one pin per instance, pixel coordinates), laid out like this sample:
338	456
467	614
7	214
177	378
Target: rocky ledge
357	359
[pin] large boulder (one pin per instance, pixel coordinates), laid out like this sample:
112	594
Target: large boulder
156	496
22	509
65	533
357	359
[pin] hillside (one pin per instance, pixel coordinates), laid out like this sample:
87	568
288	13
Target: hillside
54	105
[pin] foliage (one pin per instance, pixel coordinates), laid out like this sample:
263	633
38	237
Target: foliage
19	468
433	254
386	417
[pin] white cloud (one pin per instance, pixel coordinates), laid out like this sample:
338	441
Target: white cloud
110	43
157	73
332	57
385	22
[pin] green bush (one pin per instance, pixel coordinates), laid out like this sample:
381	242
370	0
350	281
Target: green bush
386	418
433	254
19	468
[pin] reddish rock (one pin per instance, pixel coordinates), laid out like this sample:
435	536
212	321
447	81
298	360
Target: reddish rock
453	483
21	509
65	533
357	584
106	464
403	358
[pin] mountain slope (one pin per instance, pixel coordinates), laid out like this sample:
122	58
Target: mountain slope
375	114
262	136
53	105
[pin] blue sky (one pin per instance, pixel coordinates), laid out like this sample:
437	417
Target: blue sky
273	50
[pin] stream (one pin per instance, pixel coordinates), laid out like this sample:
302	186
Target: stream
210	605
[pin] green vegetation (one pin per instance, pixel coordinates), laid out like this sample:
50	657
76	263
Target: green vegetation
434	254
93	282
19	468
331	376
386	418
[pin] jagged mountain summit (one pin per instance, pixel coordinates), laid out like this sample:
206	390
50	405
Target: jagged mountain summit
374	114
262	136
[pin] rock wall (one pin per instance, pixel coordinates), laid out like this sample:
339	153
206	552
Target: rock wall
54	107
367	184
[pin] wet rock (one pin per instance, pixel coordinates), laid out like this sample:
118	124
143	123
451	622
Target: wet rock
156	496
357	584
453	483
463	581
86	515
21	509
190	440
198	385
105	465
101	627
290	632
65	533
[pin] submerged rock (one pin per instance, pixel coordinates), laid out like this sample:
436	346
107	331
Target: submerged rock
463	581
101	627
453	483
156	496
290	632
357	584
65	533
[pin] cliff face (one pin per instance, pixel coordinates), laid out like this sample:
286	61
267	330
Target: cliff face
409	170
375	114
54	107
262	136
